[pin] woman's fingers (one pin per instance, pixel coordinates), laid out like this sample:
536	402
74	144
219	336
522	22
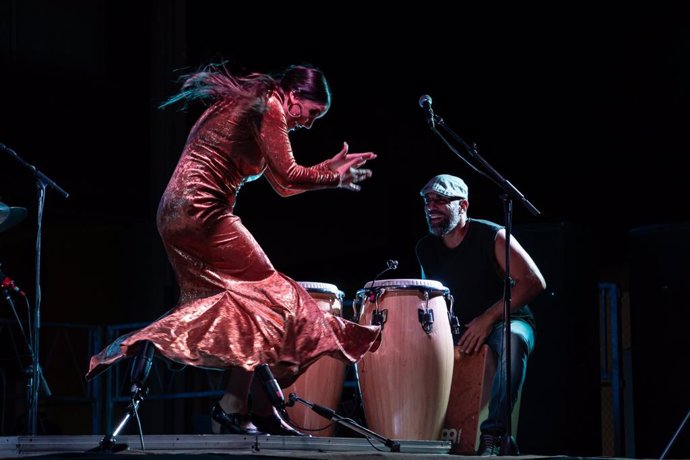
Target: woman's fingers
358	175
348	165
357	161
343	151
366	156
352	176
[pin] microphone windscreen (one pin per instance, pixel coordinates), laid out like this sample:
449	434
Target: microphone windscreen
273	391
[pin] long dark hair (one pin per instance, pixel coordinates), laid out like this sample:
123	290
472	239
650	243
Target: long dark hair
308	82
214	81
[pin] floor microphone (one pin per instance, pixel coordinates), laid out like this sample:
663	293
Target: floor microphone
270	384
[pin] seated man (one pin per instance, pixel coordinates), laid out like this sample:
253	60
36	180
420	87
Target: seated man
468	256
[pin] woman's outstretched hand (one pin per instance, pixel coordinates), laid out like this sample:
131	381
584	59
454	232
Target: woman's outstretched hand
347	165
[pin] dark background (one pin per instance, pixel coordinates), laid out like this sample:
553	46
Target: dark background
584	110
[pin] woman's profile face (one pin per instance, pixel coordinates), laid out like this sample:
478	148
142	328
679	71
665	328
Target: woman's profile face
301	112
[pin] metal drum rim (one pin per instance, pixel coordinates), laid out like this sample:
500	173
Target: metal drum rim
405	284
322	288
395	282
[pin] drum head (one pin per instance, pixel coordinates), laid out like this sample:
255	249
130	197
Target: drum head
323	288
407	284
433	287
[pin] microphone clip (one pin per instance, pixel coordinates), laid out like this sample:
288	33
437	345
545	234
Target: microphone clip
7	283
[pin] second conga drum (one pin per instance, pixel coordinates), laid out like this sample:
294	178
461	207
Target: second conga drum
406	383
323	382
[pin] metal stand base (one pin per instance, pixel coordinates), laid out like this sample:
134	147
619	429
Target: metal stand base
109	442
141	365
330	414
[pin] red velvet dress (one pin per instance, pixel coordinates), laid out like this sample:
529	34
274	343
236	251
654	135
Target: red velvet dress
235	309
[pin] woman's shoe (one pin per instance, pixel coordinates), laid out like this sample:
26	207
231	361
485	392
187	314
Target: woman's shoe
234	423
273	424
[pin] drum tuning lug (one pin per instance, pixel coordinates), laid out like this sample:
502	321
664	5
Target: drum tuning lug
454	325
378	317
426	318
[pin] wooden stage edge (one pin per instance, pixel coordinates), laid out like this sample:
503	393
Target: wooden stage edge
236	446
291	446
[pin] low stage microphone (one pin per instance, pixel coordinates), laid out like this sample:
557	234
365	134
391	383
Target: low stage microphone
275	394
141	366
425	104
391	264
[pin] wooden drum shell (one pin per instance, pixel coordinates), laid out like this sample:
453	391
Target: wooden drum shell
406	383
323	382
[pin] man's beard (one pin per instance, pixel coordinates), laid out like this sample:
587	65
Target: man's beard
446	225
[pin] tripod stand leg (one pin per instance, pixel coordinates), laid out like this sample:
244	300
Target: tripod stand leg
141	365
109	442
673	439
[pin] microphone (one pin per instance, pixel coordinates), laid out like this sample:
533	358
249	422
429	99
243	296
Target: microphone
425	104
7	283
141	366
391	264
275	394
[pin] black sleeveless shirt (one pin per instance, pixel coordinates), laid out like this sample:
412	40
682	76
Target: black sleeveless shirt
469	270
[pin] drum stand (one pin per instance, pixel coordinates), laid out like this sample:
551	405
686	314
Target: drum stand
330	414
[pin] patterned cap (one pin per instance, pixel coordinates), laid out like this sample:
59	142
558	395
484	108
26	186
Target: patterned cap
447	186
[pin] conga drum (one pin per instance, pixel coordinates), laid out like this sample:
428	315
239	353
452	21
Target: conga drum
323	382
406	383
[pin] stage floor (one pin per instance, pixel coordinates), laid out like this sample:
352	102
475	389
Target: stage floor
235	445
213	447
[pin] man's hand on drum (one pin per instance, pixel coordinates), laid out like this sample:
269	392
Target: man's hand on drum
347	165
476	333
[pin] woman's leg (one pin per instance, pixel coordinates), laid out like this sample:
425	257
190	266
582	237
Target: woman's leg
236	397
265	417
231	412
261	406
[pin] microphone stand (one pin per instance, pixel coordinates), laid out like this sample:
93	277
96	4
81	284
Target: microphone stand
5	293
42	183
508	444
277	400
138	373
330	414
